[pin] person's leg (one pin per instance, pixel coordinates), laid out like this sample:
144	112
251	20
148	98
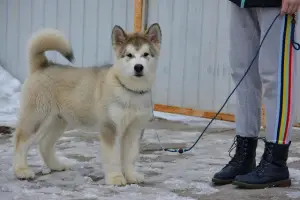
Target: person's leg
277	74
244	41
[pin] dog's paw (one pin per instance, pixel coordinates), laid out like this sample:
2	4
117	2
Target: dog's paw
115	179
134	177
24	173
59	166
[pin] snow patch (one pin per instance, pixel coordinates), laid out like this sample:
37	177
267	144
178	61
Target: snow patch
9	98
293	195
197	187
292	159
193	121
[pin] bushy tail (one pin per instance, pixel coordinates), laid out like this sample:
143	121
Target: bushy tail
47	40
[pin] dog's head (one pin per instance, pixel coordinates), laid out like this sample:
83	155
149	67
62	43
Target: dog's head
137	53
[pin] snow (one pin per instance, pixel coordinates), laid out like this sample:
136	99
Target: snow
9	98
166	175
193	121
169	176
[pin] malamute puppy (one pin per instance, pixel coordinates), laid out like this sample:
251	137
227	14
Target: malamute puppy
116	100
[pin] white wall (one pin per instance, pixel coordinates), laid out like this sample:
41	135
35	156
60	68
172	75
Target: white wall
194	70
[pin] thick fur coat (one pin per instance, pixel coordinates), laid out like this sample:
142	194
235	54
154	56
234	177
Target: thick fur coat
114	100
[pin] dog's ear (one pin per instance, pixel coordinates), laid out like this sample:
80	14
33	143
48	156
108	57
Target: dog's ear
153	34
118	36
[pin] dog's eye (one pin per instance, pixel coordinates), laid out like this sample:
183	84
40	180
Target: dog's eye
146	54
129	55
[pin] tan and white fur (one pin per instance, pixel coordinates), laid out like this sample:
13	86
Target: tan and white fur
114	100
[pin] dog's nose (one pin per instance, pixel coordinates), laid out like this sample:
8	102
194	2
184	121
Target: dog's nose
138	68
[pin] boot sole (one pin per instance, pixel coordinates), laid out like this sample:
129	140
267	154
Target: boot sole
282	183
221	181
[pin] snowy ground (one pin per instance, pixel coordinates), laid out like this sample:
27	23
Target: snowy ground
169	176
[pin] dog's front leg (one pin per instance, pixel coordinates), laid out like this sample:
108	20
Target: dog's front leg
111	156
130	150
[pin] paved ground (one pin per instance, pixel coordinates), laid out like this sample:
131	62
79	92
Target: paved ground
169	176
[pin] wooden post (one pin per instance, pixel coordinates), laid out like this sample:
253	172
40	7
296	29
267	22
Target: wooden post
138	15
263	116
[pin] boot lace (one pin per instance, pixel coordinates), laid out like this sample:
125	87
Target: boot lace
265	161
241	151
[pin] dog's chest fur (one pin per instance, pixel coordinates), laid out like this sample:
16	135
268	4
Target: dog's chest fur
127	107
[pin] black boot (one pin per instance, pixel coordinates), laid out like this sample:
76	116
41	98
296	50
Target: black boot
272	170
243	161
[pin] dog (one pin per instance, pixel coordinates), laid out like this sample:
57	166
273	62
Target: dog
114	100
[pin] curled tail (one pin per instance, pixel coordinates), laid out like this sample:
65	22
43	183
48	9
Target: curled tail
47	40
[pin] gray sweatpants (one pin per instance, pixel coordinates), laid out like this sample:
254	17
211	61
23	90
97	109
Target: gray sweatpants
271	77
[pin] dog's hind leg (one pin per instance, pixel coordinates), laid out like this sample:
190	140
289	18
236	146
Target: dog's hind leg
22	142
111	156
46	145
130	147
27	133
